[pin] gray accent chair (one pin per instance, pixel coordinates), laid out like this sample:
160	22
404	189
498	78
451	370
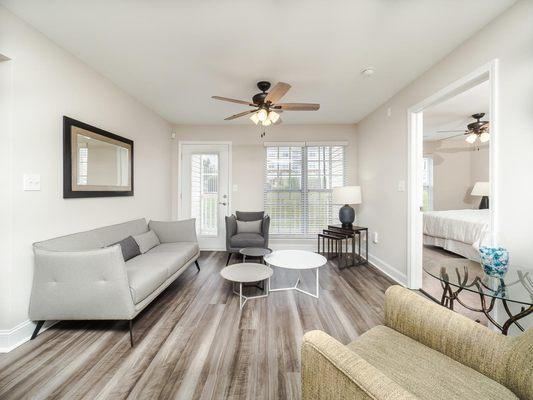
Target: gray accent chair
237	241
78	277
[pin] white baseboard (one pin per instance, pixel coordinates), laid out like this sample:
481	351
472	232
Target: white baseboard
388	270
14	337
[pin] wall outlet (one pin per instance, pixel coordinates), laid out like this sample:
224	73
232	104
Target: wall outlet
376	238
31	182
389	112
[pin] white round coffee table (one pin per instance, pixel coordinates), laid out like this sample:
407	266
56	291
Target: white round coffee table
297	260
247	273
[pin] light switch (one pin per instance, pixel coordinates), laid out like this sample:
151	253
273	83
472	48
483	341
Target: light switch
401	186
31	182
376	237
389	112
235	188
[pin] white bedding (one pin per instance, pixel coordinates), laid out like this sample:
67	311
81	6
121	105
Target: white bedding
466	226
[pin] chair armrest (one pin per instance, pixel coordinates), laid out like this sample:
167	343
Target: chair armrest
80	285
231	229
332	371
265	227
175	231
448	332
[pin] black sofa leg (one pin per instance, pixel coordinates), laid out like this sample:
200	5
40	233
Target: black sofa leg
37	329
197	265
131	332
229	258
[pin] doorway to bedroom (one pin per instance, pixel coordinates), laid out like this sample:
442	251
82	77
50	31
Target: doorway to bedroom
451	177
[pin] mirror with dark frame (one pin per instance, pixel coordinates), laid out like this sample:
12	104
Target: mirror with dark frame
96	163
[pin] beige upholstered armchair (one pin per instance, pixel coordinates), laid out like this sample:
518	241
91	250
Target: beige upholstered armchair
424	351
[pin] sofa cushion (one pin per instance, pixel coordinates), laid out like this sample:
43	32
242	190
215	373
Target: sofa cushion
147	241
129	248
181	252
425	372
148	271
241	240
249	215
249	226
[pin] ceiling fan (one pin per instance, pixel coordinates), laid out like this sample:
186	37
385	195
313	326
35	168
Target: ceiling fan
475	130
265	105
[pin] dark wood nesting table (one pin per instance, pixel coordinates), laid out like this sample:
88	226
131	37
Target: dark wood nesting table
338	238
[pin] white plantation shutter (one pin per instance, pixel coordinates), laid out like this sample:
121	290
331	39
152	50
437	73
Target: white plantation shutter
298	187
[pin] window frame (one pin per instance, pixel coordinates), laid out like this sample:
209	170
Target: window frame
304	186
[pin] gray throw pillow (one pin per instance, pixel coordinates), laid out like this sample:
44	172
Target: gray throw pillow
147	241
129	248
249	226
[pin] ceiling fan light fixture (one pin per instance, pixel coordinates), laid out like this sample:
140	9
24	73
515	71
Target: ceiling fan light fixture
255	118
471	138
262	115
484	137
273	116
267	122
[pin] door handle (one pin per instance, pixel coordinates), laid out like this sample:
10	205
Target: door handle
222	204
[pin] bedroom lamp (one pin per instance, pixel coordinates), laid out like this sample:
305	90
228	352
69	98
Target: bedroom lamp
347	195
482	189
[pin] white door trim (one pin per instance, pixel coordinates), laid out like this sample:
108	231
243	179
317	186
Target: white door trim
181	143
488	72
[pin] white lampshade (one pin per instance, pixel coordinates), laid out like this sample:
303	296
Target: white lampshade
484	137
347	195
262	115
266	122
254	118
273	116
471	138
481	189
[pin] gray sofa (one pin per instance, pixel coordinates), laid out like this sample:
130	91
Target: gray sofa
78	277
237	241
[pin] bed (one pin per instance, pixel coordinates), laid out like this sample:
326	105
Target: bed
459	231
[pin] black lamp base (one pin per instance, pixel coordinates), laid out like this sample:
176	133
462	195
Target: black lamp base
484	204
346	216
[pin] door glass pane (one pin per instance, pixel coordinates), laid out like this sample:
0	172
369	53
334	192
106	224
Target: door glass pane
204	193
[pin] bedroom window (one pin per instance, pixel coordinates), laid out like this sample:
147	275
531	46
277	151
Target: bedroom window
298	187
427	182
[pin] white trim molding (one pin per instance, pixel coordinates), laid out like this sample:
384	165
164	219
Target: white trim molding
20	334
388	270
487	72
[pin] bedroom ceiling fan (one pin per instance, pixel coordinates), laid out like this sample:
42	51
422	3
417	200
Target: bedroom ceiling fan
266	108
475	130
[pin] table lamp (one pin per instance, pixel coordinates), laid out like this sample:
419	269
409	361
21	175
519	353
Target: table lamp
347	195
482	189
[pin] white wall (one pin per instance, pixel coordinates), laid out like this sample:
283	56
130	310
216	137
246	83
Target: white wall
382	140
457	166
47	83
249	153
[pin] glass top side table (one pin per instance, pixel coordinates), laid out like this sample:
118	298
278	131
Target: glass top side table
515	287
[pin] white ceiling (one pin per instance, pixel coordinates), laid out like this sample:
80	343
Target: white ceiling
174	55
456	113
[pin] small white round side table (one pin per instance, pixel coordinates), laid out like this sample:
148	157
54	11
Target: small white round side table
247	273
297	260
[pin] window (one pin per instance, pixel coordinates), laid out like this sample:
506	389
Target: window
83	157
298	183
204	193
427	182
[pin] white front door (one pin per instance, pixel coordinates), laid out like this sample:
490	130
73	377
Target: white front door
204	181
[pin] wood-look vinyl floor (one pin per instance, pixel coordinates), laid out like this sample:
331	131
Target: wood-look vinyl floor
193	342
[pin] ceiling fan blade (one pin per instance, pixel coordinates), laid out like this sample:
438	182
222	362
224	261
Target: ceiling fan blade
242	114
298	106
277	92
233	100
457	130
